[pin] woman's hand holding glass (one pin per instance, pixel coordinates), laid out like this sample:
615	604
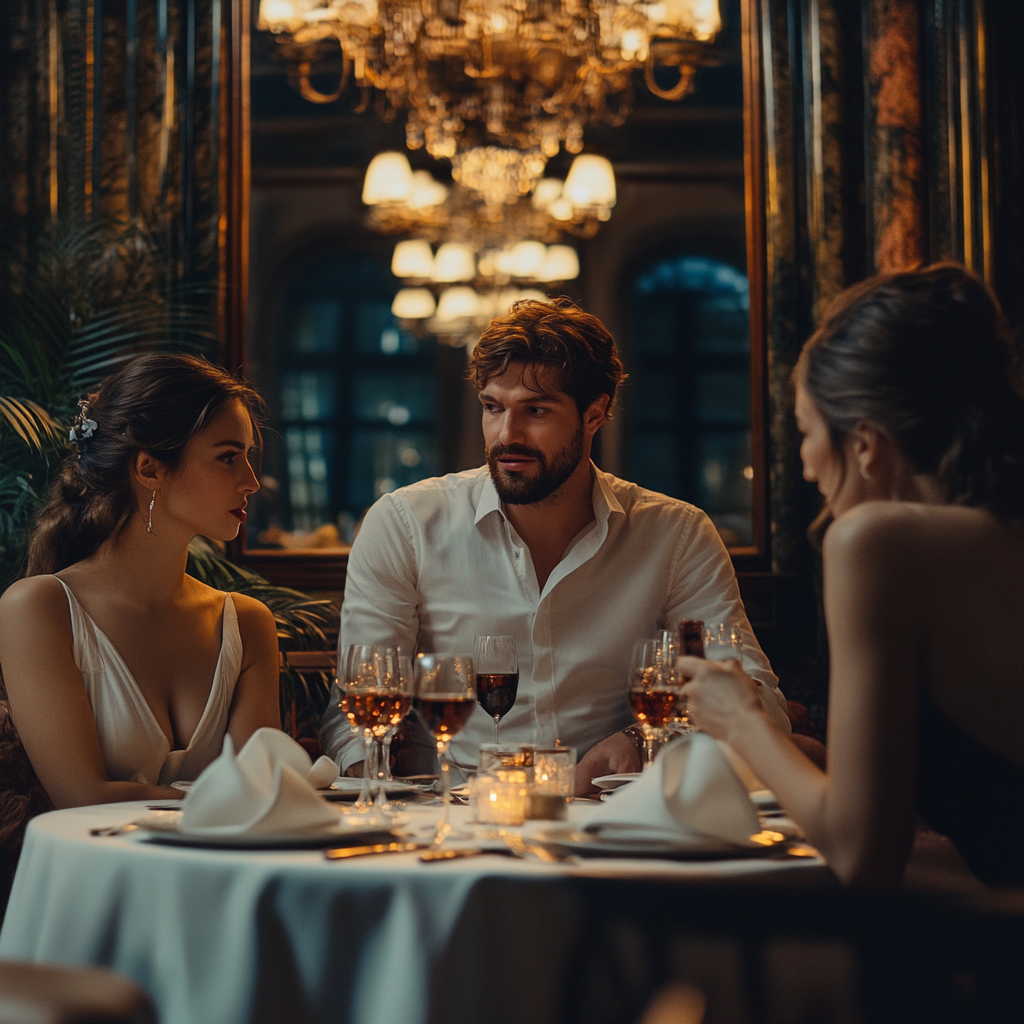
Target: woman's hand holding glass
720	696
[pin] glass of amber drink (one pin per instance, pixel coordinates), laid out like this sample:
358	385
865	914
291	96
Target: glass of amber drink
445	698
654	691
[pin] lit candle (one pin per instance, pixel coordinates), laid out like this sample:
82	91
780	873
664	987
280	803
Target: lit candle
554	778
501	797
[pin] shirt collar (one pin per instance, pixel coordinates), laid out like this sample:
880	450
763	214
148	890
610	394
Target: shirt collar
602	495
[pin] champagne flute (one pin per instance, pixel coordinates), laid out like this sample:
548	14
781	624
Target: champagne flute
445	698
363	699
497	675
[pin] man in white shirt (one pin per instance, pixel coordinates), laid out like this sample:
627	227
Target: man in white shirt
541	545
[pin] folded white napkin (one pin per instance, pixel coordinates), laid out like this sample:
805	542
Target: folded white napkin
266	790
690	792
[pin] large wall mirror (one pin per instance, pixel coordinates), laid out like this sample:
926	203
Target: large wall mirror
361	402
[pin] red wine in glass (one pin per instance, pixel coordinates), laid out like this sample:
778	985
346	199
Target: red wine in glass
445	714
497	675
496	692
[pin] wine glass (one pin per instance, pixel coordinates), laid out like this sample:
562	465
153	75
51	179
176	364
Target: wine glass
362	680
445	698
722	641
398	693
654	691
497	675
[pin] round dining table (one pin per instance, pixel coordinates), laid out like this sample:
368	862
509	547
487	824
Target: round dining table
226	936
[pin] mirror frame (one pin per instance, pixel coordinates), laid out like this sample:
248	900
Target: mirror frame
315	570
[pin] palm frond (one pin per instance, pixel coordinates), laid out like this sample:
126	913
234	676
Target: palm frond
29	420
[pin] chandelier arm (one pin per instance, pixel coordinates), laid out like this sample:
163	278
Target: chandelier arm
312	94
679	90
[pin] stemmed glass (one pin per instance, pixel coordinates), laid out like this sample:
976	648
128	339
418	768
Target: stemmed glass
497	675
363	682
398	694
722	641
654	692
445	698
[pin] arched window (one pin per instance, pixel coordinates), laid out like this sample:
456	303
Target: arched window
688	401
352	398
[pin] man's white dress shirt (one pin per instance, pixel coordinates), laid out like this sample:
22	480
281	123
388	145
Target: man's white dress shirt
438	563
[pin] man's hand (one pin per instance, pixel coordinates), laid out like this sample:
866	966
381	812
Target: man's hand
611	756
355	771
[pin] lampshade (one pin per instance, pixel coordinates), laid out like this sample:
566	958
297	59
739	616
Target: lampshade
457	303
527	258
426	191
276	14
546	192
413	258
388	179
413	304
560	264
591	182
561	209
454	262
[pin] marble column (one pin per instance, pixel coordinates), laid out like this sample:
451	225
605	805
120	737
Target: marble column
894	189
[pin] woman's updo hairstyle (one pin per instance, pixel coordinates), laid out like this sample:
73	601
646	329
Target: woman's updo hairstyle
156	403
923	356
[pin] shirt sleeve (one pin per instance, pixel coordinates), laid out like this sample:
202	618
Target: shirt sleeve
703	586
381	605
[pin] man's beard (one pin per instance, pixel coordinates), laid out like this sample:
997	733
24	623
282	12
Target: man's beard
516	488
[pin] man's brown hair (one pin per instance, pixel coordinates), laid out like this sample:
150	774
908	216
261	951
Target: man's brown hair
560	334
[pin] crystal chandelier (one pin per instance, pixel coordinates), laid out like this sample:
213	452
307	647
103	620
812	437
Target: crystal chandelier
485	212
528	74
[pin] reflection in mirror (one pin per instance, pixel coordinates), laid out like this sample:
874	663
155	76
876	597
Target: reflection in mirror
361	403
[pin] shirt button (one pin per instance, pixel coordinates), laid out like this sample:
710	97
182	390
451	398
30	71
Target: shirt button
517	552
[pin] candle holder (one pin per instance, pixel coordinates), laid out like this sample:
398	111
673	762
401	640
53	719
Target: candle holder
553	783
501	796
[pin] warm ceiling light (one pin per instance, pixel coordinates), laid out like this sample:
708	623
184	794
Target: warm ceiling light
388	179
591	182
413	258
454	262
426	191
413	304
458	303
478	73
527	258
560	264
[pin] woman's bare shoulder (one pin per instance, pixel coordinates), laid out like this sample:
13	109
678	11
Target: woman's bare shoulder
894	527
33	596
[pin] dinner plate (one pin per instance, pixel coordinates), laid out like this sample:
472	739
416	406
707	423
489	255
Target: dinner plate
567	841
165	827
615	781
346	788
764	800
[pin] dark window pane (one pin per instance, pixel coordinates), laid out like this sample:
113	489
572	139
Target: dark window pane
318	327
395	398
383	460
657	397
724	458
375	330
307	395
653	461
308	454
722	397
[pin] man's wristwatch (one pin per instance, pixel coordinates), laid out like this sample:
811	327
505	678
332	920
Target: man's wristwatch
636	736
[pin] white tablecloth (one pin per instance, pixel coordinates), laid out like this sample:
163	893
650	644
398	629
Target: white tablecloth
228	936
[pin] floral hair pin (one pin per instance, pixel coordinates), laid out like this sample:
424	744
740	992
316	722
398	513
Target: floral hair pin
83	428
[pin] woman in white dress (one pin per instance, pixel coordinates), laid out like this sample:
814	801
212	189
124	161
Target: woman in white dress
914	433
123	672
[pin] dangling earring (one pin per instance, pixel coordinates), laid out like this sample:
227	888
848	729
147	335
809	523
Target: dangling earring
149	524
